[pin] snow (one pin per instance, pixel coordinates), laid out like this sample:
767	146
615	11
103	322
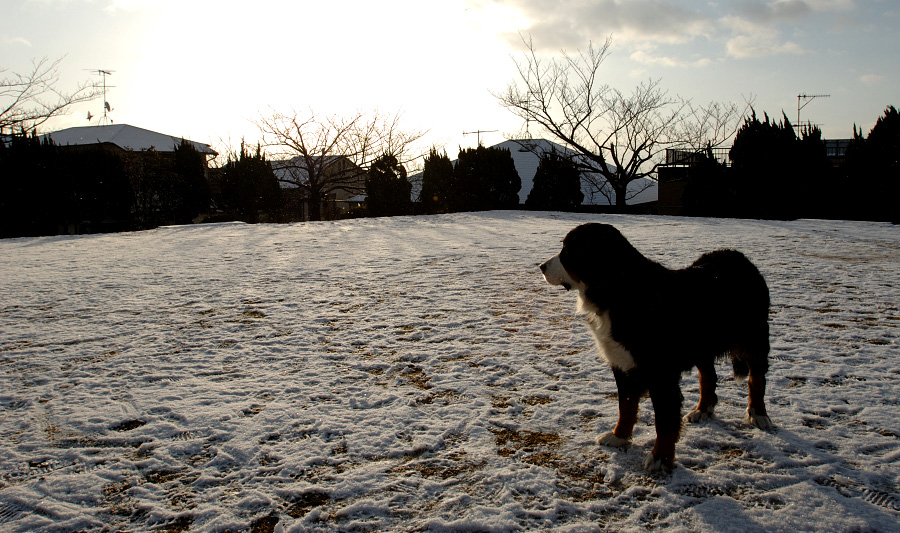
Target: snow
417	373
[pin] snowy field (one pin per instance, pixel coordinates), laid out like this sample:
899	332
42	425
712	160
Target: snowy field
417	374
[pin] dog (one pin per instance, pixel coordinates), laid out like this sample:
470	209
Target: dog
652	324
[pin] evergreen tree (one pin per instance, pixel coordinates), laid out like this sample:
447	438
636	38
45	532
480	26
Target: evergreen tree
772	168
875	159
484	178
192	188
468	192
249	185
387	187
102	193
31	188
437	179
503	179
557	185
883	147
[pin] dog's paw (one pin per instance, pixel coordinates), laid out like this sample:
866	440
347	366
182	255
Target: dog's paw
698	416
760	421
611	440
652	463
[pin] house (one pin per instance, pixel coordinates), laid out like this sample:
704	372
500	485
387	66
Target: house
344	184
675	173
123	137
112	178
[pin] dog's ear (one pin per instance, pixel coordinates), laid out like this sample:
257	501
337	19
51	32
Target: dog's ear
599	253
580	254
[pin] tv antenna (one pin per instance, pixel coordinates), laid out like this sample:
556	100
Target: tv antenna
478	132
806	98
104	120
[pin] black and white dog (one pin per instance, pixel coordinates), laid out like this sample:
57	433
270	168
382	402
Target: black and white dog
651	324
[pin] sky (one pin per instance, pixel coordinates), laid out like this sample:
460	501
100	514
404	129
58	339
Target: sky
208	70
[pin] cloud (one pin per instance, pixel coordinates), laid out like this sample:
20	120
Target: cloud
782	11
752	39
871	79
774	12
751	28
746	46
642	56
17	40
571	24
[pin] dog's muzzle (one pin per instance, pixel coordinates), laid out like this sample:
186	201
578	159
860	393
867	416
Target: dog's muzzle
555	273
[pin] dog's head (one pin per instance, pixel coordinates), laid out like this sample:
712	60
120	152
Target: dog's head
591	254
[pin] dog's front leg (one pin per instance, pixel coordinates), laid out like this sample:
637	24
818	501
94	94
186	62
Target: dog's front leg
630	391
666	396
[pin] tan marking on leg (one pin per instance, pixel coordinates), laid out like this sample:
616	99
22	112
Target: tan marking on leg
628	410
708	398
756	386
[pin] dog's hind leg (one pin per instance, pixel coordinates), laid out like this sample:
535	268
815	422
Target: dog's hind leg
756	406
630	392
756	363
708	399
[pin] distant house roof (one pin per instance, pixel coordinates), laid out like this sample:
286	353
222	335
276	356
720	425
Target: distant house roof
124	136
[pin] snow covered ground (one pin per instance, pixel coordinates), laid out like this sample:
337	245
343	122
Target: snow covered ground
417	373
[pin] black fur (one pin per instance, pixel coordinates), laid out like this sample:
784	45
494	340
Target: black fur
673	320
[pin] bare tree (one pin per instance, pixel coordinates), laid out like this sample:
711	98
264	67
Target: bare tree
323	155
617	138
704	127
29	100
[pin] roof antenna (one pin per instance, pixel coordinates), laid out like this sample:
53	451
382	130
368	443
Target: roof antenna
807	98
104	120
478	132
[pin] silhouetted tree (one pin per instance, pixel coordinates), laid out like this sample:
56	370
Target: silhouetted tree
31	99
437	180
883	146
46	189
192	189
485	178
99	193
616	137
29	185
249	186
323	155
770	169
557	185
875	159
387	187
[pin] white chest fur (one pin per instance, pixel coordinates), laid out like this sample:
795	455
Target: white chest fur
601	328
